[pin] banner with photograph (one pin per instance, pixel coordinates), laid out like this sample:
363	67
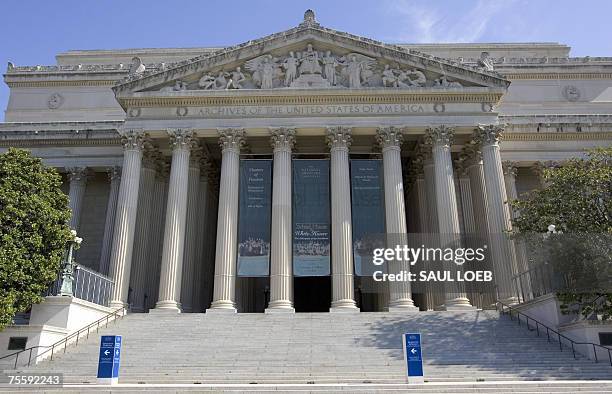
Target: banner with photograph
367	198
311	218
254	218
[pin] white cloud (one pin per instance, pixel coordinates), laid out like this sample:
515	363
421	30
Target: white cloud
427	21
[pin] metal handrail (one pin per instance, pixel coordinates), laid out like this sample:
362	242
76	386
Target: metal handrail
539	325
117	313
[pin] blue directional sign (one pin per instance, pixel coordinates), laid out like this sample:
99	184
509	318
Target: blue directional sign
413	357
110	355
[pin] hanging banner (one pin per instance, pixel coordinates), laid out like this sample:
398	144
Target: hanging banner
254	217
311	218
367	198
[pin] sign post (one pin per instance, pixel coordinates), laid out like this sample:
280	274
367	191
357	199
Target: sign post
108	362
413	357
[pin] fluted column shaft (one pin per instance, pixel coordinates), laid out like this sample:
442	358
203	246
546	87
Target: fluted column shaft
434	290
448	217
343	293
281	270
224	292
125	221
114	175
390	139
193	215
140	260
157	231
499	213
176	216
78	182
201	233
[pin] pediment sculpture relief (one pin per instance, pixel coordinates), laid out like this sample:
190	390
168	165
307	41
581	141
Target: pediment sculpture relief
315	69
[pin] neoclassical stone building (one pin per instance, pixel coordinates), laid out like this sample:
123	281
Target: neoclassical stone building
224	179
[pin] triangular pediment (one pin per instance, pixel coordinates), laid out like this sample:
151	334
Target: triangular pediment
310	56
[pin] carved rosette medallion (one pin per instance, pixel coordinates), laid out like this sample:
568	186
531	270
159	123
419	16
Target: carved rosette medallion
389	137
231	139
339	137
440	136
282	138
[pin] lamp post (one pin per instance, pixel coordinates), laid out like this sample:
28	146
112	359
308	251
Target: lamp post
69	264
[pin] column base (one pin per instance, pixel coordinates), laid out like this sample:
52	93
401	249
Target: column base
277	310
167	306
458	304
118	304
214	311
403	309
344	306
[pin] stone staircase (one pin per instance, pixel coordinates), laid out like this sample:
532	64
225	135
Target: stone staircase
323	349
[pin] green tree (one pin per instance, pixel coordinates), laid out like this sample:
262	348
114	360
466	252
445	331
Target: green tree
577	201
33	230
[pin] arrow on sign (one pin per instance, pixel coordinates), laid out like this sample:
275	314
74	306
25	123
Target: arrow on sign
117	352
413	351
106	352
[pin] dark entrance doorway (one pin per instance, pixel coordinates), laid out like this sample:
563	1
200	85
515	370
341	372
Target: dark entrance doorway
312	293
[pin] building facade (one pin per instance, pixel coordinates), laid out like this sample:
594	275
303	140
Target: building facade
228	179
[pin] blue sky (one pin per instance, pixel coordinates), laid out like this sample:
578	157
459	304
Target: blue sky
34	31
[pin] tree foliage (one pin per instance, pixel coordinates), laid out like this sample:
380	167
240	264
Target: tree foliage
33	230
577	202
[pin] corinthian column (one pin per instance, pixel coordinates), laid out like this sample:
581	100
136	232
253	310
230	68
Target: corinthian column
281	270
114	176
343	293
200	277
193	215
448	217
140	261
499	214
181	141
78	181
390	140
231	140
125	221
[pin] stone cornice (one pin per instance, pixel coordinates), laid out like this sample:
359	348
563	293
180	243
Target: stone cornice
544	74
312	96
510	136
56	83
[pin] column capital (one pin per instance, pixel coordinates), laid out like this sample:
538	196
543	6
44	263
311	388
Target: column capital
114	173
78	174
389	137
339	137
282	138
440	135
510	168
150	156
471	154
196	155
134	139
205	167
181	138
423	152
231	139
489	134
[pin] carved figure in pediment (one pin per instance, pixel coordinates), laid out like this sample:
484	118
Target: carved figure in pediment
207	82
389	79
310	62
221	80
442	82
264	70
290	66
355	65
178	86
329	67
418	78
236	78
